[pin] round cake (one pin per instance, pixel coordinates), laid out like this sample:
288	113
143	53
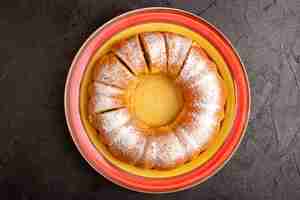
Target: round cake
156	100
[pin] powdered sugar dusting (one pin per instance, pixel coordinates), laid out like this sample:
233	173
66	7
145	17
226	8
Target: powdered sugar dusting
154	44
177	47
209	88
129	143
169	151
198	132
114	119
201	78
194	66
187	140
149	159
111	71
100	103
131	53
97	88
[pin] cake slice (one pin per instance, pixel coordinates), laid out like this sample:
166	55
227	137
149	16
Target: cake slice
111	71
177	50
128	143
163	151
107	122
155	50
104	97
131	53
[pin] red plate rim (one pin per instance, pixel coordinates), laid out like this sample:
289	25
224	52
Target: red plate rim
72	100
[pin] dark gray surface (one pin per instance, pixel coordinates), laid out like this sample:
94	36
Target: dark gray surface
38	40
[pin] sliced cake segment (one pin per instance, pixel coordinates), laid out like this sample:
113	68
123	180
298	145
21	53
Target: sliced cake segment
111	71
107	122
155	50
131	53
177	50
128	143
104	97
197	132
197	62
202	81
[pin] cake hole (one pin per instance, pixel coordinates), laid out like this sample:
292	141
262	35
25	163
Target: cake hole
157	100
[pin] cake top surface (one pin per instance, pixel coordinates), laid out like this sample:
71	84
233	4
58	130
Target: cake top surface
156	100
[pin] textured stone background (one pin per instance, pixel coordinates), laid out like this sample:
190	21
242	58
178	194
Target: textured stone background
38	40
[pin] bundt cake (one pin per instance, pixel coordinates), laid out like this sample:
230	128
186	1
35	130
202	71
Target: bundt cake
156	100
